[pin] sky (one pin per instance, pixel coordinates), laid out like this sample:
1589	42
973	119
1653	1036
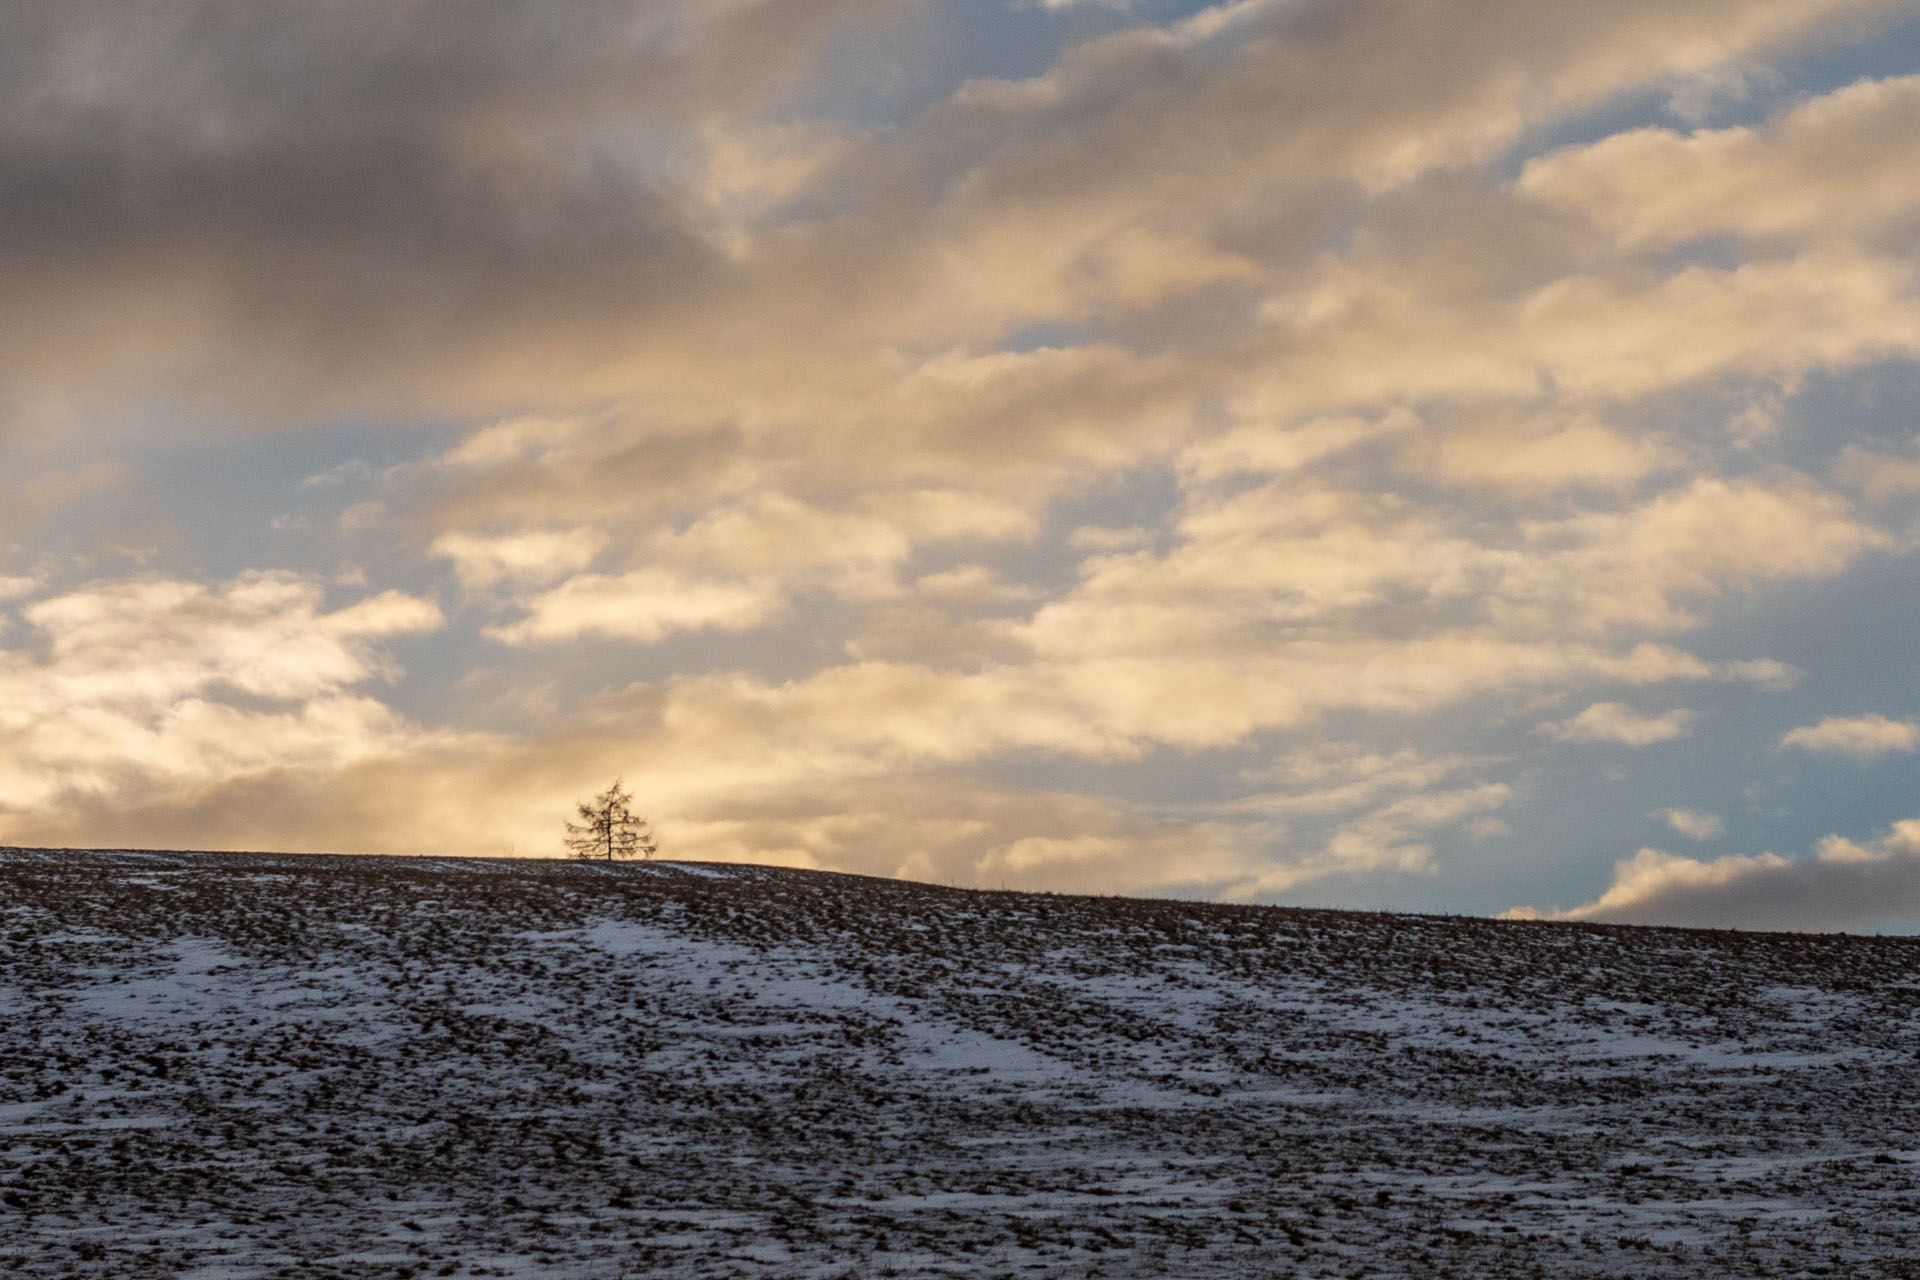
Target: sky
1455	458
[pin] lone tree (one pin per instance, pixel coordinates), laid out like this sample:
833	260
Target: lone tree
609	828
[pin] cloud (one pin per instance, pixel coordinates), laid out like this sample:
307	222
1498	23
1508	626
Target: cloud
457	211
1277	602
1641	568
1700	95
1391	836
532	556
1617	722
1865	738
1844	886
1339	778
389	613
35	499
645	605
733	569
408	207
1528	458
1693	823
145	688
1256	448
856	549
263	634
1841	162
862	718
1880	477
971	583
1365	331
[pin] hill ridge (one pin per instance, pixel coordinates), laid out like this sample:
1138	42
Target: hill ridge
503	864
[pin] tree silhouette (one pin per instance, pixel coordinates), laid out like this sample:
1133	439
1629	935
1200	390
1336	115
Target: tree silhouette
609	828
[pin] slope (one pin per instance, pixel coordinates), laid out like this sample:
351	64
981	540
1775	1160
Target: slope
259	1065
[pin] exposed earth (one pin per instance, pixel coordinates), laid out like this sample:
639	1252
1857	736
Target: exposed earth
224	1065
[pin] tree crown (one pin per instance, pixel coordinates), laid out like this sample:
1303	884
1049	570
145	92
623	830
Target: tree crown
609	828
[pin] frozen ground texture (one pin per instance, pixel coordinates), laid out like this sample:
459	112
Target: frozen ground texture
238	1066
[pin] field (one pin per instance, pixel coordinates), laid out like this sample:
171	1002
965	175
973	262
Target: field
278	1066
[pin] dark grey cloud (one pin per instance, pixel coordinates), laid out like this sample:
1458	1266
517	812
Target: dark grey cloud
401	206
220	67
1846	886
430	206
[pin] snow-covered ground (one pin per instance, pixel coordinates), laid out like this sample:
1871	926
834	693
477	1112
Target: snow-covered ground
247	1065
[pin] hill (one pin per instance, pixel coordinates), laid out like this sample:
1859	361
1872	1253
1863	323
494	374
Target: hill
302	1066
